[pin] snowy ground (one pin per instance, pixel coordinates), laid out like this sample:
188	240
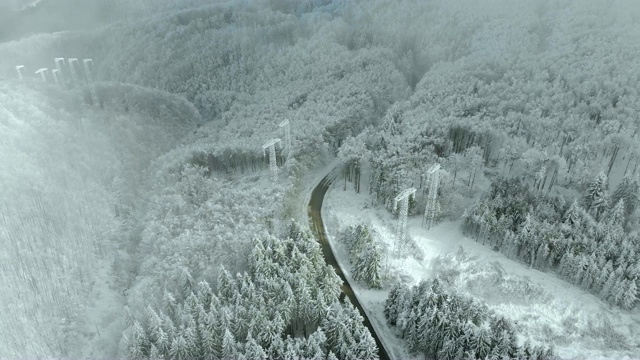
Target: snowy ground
545	308
103	318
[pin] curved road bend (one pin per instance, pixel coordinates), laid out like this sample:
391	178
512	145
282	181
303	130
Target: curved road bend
315	207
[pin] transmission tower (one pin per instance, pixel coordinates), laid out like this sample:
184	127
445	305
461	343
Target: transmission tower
433	180
273	165
87	71
19	70
56	74
287	137
58	61
59	68
403	211
42	72
74	75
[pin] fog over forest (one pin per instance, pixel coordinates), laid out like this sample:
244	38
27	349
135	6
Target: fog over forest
319	179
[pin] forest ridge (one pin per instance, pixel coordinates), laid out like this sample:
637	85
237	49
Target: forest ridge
137	219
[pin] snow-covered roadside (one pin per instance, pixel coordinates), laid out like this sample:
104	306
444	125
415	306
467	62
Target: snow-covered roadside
579	324
372	300
375	298
313	178
103	317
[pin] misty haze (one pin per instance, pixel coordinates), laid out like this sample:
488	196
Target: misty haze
319	179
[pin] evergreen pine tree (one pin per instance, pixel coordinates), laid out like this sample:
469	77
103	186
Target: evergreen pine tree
229	346
366	347
391	304
627	190
596	199
169	303
276	349
138	344
226	286
204	293
563	264
448	350
504	347
253	350
619	291
319	309
192	339
162	342
588	279
314	347
572	217
359	266
179	349
607	289
372	271
617	215
602	277
208	347
330	284
362	238
542	256
186	280
304	309
154	325
217	327
292	349
483	342
630	295
154	353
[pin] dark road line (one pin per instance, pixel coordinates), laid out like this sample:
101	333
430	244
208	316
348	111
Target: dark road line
315	216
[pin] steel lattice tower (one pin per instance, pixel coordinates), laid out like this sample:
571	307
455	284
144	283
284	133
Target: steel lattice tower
74	74
56	74
287	137
273	165
42	72
19	70
401	230
87	71
433	180
58	61
59	68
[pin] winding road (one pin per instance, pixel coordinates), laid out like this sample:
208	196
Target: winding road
315	217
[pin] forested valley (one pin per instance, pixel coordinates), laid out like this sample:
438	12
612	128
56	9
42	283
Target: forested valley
139	220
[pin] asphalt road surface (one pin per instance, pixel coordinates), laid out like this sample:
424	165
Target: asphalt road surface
315	218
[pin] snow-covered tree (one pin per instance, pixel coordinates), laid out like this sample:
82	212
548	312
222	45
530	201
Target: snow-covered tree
628	191
444	324
373	254
630	295
596	199
229	346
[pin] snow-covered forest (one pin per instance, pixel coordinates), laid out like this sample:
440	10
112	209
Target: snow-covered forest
138	218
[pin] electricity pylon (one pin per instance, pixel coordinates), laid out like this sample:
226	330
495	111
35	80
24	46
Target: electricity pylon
287	137
433	180
273	165
403	211
59	68
87	71
19	70
42	72
74	74
58	61
56	74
